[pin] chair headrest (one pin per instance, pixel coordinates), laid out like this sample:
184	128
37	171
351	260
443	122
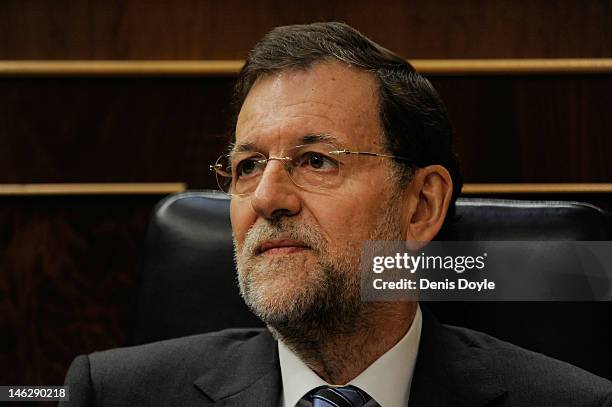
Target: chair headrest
189	268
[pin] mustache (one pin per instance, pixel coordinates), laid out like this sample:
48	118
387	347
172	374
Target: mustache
284	228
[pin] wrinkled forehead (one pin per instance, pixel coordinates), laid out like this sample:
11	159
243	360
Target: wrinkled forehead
330	99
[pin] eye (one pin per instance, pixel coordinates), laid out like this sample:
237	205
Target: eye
318	161
248	167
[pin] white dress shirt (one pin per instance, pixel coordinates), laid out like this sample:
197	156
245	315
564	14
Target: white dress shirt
387	380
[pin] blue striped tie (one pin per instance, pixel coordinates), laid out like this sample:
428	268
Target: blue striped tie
347	396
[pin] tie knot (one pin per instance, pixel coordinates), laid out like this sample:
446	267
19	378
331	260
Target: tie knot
346	396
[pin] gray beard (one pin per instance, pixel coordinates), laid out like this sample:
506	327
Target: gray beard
331	303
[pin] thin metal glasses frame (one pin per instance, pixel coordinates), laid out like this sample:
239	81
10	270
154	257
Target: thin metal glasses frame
218	168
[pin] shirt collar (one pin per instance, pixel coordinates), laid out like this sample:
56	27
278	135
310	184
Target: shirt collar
387	380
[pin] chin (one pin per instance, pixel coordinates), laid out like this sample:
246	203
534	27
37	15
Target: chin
280	311
286	272
278	299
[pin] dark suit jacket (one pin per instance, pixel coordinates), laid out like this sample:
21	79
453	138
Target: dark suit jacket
455	367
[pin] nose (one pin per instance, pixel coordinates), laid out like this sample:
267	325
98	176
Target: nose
276	195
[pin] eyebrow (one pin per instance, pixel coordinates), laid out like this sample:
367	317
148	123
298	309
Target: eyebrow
305	140
243	147
319	138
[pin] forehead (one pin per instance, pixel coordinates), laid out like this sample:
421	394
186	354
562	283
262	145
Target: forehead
329	98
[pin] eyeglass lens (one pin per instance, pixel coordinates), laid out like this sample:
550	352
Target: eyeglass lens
308	166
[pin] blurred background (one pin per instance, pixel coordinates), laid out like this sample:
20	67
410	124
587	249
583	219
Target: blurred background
108	106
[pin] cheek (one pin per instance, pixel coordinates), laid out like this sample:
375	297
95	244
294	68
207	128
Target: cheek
343	219
351	216
241	218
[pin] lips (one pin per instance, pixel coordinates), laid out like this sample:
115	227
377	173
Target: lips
281	246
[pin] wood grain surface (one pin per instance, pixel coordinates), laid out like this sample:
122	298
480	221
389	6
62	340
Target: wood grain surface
214	29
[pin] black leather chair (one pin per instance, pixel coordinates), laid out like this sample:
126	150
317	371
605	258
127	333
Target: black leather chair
188	282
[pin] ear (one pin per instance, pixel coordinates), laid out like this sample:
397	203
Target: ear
426	201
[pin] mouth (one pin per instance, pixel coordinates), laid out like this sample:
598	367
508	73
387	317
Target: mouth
281	246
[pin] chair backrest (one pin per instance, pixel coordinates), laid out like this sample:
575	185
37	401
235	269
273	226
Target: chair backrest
188	282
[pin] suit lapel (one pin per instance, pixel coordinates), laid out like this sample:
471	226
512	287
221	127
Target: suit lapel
450	371
248	374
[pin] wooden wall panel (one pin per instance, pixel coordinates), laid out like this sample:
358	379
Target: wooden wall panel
111	130
67	272
531	129
226	29
508	128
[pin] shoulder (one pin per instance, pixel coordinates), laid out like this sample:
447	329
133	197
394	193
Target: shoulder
531	376
151	373
197	350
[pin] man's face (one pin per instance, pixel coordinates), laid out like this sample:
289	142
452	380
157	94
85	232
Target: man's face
297	250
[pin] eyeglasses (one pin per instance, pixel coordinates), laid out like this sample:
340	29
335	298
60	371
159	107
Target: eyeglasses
313	167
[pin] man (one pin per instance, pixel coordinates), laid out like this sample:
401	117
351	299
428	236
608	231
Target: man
337	141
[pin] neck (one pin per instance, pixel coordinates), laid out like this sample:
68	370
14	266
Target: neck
340	351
